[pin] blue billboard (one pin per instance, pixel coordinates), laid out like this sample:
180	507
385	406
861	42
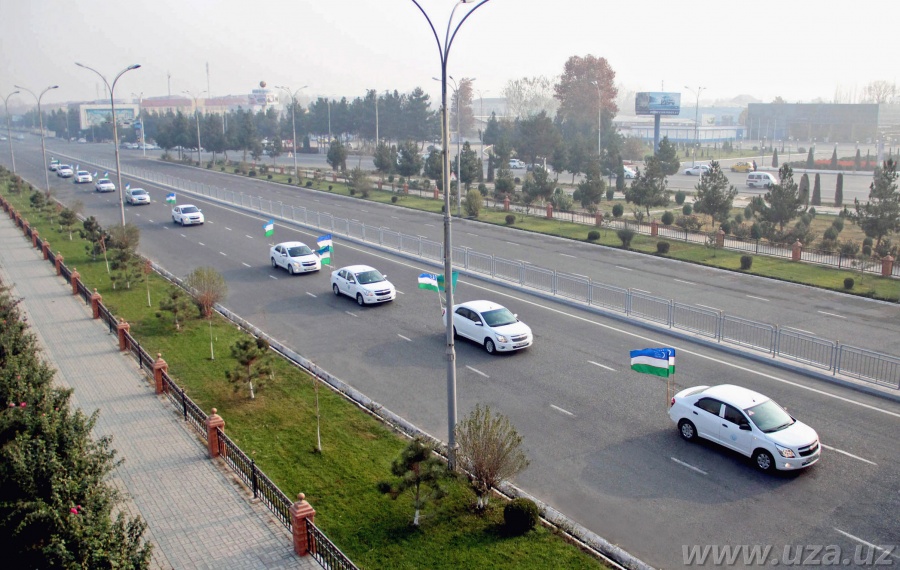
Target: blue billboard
657	103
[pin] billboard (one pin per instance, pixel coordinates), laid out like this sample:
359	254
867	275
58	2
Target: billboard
93	115
657	103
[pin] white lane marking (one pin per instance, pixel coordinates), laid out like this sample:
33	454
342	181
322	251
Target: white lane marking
476	371
311	295
841	451
567	255
759	298
708	307
201	243
225	254
685	282
352	315
151	221
624	268
832	315
182	235
471	234
641	291
227	228
580	275
407	339
399	292
394	218
512	243
429	225
601	365
246	264
273	277
558	409
689	466
807	332
363	210
248	236
869	544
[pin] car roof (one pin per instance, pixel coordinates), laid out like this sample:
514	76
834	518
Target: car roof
136	189
738	396
481	306
358	268
186	206
83	172
290	244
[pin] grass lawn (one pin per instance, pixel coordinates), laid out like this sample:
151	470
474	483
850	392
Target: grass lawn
278	430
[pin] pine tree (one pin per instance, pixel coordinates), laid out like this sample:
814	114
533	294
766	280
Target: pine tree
810	161
775	159
817	191
834	161
839	187
804	190
856	161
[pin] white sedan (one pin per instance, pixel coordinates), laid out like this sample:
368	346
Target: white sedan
629	172
698	170
747	422
295	257
365	284
187	215
83	177
135	196
104	185
65	171
490	325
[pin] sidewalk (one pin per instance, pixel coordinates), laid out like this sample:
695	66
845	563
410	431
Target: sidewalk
197	515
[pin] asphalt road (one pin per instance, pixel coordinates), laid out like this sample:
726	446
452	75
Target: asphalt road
603	450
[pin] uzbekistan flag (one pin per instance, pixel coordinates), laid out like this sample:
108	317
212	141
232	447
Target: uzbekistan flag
128	187
324	255
95	174
170	198
440	280
324	241
428	281
106	174
269	227
656	361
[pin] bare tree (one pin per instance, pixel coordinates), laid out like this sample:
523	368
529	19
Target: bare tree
490	450
529	96
880	91
209	288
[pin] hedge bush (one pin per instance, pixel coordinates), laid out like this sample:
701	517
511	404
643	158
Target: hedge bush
662	247
625	236
848	283
510	219
520	516
593	235
746	262
667	218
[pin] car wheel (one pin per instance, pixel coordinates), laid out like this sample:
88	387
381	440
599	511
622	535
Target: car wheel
290	268
454	333
359	300
274	265
174	221
489	346
763	460
182	222
337	291
687	430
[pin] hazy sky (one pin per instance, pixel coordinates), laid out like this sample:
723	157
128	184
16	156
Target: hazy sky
798	50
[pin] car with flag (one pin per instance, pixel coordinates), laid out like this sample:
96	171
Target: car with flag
54	164
746	422
83	177
491	325
137	196
365	284
65	171
294	256
104	185
187	215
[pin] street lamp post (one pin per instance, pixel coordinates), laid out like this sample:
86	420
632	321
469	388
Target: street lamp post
112	103
293	95
444	53
41	122
12	155
599	121
196	116
140	99
481	131
458	153
696	115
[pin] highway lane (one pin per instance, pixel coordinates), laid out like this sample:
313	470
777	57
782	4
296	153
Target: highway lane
831	315
603	450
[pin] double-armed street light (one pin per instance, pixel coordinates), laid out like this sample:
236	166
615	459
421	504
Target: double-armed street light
197	116
140	98
12	155
696	116
112	104
444	53
293	95
41	122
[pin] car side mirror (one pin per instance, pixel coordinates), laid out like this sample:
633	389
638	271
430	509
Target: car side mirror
745	427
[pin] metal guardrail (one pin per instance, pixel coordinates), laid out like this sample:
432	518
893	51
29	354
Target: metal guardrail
324	551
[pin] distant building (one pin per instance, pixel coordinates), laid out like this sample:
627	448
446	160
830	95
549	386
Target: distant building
825	122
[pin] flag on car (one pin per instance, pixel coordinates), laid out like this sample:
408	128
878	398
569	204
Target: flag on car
170	198
324	241
656	361
428	281
95	174
128	187
325	255
269	227
441	281
77	166
106	174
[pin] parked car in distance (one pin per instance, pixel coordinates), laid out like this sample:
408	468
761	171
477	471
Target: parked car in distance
82	140
187	215
748	423
760	180
54	164
697	170
104	185
365	284
742	167
83	177
136	196
65	171
491	325
629	172
516	163
295	257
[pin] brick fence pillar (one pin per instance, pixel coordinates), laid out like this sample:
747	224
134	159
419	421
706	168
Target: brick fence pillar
59	260
159	366
34	238
300	512
45	249
654	228
549	211
405	188
121	329
214	422
96	299
506	203
720	238
75	279
334	176
379	184
796	250
26	227
598	218
887	266
436	192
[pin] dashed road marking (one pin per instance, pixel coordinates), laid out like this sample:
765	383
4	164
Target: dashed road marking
842	452
311	295
476	371
832	315
685	282
601	365
625	268
689	466
407	339
558	409
758	298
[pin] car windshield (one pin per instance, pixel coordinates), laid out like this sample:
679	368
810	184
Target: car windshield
138	192
371	276
769	417
299	250
104	181
189	210
498	317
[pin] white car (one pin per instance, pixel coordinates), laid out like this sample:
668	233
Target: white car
516	163
698	170
65	171
187	215
83	177
491	325
365	284
629	172
104	185
295	257
54	164
747	422
135	196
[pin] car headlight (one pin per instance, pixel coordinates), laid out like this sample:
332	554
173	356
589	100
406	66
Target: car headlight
369	293
785	451
501	338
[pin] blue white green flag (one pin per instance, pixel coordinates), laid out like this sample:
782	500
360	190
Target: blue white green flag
128	187
440	281
325	255
269	227
428	281
170	198
656	361
324	241
106	174
95	174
